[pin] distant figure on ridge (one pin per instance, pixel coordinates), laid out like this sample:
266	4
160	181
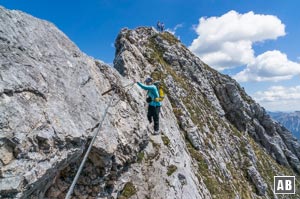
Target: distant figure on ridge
162	25
158	25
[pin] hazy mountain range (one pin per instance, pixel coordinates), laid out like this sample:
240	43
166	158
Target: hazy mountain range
290	120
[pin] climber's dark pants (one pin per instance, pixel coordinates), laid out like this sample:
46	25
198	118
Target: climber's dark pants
153	112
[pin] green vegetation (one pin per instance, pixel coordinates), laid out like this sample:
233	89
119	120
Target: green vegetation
158	75
169	37
128	191
171	169
177	111
235	131
140	157
157	52
165	140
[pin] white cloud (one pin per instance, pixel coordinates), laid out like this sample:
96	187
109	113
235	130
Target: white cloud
173	30
226	41
269	66
178	26
230	55
279	98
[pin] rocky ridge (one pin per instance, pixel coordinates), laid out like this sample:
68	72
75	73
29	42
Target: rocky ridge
215	141
212	110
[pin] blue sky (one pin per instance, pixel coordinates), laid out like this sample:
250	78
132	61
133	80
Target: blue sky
257	41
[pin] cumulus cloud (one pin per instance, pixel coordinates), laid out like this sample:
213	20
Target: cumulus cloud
226	41
269	66
279	98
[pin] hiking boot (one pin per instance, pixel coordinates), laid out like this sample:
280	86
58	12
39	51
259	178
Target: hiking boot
156	132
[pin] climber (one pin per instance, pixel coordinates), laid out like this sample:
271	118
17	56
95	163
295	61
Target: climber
154	105
158	25
162	26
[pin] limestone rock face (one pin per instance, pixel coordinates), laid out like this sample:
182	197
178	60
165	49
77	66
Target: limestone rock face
214	142
51	104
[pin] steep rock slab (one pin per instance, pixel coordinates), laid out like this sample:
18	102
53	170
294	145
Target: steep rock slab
50	96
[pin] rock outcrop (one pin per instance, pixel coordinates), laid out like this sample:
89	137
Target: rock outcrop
215	141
